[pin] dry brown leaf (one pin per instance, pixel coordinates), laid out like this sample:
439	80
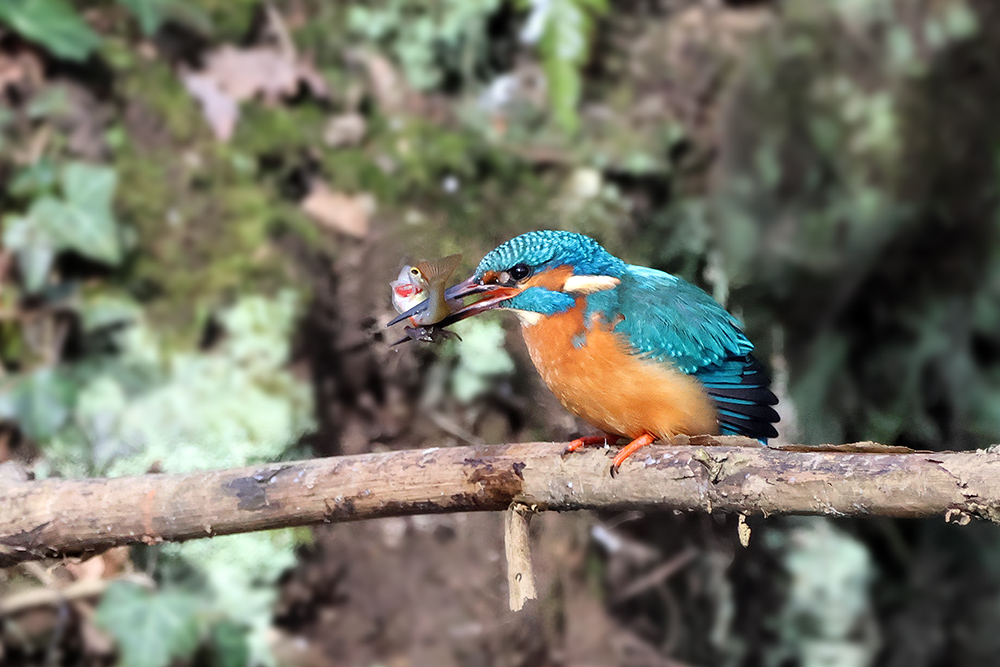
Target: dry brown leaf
96	642
339	212
116	561
108	565
231	76
19	69
265	71
92	569
220	110
345	130
6	434
387	85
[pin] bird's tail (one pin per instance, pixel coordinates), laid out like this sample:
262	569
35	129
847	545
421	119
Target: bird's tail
743	398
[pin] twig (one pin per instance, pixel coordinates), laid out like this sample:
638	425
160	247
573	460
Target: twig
51	597
285	43
452	427
657	576
517	544
63	517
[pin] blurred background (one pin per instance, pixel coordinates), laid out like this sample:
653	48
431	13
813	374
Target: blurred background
204	201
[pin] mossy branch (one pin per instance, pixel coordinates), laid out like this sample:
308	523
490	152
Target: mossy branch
60	517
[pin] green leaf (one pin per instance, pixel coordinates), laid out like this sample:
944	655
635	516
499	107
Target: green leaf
565	47
564	83
228	645
35	249
82	221
152	628
149	13
53	24
40	403
34	180
85	222
106	310
482	359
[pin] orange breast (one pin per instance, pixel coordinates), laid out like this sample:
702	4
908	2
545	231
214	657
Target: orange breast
602	382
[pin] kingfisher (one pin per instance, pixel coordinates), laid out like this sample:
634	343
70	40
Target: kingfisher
636	352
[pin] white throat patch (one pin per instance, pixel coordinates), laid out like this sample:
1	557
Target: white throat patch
589	284
528	317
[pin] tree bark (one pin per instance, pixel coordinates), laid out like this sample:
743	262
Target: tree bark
62	517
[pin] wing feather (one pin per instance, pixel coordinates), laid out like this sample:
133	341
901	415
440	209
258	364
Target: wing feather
670	320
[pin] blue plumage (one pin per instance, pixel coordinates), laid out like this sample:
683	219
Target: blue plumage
661	317
674	321
541	300
548	249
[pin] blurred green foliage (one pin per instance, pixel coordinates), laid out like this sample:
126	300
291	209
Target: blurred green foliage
80	220
433	42
843	200
152	630
481	358
563	30
52	23
144	405
830	185
826	621
58	26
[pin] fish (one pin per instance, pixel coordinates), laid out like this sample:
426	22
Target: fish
406	294
426	282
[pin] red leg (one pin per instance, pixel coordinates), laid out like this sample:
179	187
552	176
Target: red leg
630	449
588	440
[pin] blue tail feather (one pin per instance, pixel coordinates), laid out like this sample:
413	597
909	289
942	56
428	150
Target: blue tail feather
740	389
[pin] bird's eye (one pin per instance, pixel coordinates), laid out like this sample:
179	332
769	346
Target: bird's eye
519	272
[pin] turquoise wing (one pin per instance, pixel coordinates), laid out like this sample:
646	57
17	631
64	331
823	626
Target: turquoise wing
673	321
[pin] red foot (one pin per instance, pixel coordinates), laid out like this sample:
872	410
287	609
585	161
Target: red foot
589	440
630	449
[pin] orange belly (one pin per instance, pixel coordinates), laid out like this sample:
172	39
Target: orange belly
604	383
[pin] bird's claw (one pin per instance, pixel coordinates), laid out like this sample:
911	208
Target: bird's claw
585	441
630	449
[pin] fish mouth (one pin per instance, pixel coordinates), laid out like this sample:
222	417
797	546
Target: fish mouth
493	296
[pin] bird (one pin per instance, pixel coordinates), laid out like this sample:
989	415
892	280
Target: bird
636	352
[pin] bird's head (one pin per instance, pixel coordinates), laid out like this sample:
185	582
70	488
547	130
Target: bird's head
537	274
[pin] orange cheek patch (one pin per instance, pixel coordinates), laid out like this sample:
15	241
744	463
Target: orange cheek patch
553	279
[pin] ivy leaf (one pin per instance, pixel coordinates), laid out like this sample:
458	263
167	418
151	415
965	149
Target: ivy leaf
228	645
81	221
90	227
563	29
35	249
108	310
149	13
52	23
40	403
153	629
34	180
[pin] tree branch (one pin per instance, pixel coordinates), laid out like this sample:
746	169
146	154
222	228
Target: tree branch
57	517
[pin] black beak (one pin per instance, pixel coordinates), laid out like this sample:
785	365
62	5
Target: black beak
495	294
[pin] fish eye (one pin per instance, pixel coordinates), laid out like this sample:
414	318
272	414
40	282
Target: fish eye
415	272
519	272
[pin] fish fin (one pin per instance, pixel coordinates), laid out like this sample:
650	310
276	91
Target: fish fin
439	269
